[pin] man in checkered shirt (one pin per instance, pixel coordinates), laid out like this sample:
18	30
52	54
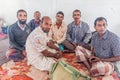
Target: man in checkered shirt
106	45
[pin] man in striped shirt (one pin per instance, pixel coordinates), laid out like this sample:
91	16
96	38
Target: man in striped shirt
78	32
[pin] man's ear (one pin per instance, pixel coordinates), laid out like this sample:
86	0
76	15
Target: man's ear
34	15
95	27
56	16
72	16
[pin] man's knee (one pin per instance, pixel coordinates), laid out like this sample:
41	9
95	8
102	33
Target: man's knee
68	45
14	54
9	52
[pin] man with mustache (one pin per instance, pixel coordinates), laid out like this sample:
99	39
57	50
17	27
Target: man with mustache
41	51
36	21
78	32
106	45
18	33
58	30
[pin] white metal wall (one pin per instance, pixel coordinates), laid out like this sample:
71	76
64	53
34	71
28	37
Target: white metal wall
90	10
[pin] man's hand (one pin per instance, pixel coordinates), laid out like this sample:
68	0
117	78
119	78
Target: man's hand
58	54
52	45
24	52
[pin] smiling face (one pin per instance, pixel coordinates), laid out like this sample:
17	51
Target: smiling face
101	26
37	15
59	18
76	16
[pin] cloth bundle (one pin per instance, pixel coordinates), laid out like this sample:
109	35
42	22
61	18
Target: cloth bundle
113	76
102	68
82	53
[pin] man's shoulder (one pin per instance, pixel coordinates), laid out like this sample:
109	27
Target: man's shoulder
13	26
32	20
37	30
94	34
84	23
36	33
71	24
28	26
112	35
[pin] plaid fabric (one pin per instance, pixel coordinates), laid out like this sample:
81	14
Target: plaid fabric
117	67
113	76
81	52
102	68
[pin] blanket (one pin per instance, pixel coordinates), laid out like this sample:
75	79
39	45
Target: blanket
21	71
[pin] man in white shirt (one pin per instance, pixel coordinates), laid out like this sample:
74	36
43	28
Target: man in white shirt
41	52
58	30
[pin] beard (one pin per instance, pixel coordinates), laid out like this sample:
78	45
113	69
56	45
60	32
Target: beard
22	22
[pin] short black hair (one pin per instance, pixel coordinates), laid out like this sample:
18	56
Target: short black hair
21	10
76	10
37	12
45	17
99	19
60	12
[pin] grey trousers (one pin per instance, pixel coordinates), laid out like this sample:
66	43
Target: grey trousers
68	45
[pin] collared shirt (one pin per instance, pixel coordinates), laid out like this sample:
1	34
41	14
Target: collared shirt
35	44
17	36
58	35
76	29
22	28
82	35
106	46
33	24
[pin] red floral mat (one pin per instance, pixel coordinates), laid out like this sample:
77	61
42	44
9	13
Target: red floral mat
70	58
15	71
3	36
18	70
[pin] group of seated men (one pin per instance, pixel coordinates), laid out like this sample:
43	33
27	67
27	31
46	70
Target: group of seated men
43	42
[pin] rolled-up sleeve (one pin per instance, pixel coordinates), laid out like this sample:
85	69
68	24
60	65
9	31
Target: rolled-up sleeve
64	35
68	34
88	34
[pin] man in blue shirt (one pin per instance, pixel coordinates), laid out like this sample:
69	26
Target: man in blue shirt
78	32
35	22
106	45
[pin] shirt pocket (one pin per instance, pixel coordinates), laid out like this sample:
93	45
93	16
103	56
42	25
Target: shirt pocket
106	51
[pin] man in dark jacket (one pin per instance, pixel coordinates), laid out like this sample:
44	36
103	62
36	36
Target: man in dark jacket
18	33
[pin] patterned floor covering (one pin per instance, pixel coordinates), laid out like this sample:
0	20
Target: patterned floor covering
21	71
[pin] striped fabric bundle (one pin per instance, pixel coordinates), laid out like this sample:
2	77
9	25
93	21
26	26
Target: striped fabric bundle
113	76
81	53
102	68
